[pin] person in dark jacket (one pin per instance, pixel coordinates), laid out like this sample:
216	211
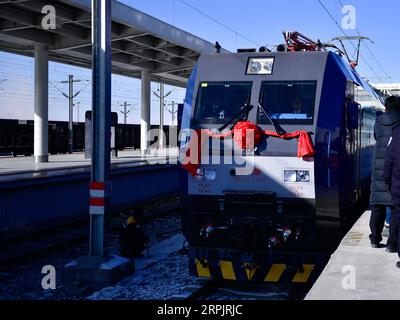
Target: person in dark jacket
380	197
392	176
132	239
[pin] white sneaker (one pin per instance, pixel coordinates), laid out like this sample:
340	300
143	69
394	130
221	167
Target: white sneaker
385	232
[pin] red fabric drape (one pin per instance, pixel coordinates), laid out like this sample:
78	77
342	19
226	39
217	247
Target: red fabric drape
193	153
305	146
240	134
241	137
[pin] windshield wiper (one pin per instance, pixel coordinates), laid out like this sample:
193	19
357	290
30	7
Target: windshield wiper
279	130
243	114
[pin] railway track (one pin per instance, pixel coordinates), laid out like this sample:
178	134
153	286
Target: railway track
55	239
212	290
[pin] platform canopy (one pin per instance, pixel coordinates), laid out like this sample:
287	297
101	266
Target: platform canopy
139	41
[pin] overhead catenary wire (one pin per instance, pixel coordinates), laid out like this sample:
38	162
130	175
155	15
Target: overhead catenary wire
235	32
388	77
341	29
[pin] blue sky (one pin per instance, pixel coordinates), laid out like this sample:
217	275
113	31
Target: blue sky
262	21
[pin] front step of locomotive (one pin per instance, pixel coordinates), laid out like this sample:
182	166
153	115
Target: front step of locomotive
280	267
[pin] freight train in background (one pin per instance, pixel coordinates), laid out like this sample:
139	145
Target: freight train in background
16	137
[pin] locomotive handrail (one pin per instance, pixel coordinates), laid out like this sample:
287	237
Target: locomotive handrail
329	135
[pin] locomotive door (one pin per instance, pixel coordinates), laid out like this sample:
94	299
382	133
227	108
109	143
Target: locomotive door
353	145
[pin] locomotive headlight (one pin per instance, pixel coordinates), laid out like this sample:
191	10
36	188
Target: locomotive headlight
210	174
255	67
290	176
293	176
303	176
206	174
199	174
268	66
260	65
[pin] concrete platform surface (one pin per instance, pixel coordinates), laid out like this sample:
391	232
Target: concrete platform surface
356	271
10	166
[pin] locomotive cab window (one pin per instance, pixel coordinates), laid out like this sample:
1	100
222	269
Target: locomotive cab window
217	102
288	102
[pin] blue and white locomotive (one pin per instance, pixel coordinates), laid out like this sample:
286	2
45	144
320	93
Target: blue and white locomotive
278	221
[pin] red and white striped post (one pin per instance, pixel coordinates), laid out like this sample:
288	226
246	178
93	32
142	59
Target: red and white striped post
97	200
101	122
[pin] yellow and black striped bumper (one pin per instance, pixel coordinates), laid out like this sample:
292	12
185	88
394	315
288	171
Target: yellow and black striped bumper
266	272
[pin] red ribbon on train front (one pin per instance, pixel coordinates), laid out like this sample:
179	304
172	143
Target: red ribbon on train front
243	139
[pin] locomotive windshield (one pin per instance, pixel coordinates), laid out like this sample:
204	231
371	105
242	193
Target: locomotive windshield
219	101
288	102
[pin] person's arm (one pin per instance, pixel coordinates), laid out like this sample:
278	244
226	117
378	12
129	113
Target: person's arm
388	169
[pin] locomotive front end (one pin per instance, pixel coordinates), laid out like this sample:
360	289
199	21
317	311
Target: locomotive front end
249	203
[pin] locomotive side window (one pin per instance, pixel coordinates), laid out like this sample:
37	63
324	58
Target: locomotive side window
289	102
218	101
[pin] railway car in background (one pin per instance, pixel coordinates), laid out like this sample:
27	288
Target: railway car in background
128	136
279	221
16	137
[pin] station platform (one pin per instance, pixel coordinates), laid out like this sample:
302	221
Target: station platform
356	271
13	167
37	196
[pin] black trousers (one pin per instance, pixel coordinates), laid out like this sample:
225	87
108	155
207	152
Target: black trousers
377	222
396	214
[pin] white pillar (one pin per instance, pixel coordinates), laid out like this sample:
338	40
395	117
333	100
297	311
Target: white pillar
145	114
41	116
161	133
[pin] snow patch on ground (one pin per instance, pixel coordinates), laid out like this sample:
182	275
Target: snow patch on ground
162	275
22	280
159	281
